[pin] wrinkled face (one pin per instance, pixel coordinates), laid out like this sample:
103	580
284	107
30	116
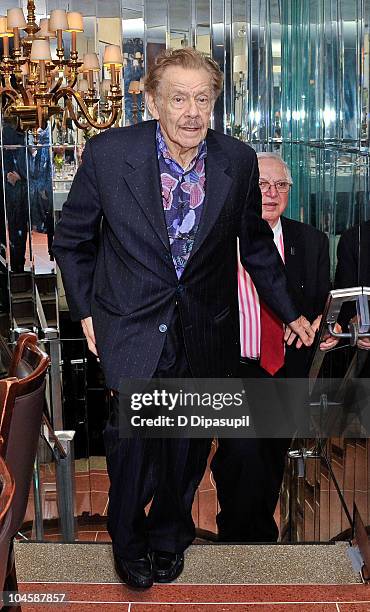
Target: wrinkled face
183	105
273	203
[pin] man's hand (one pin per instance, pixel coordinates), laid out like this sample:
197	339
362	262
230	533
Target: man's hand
362	343
301	327
88	330
13	177
329	342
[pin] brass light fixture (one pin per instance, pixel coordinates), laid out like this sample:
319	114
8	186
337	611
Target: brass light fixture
33	84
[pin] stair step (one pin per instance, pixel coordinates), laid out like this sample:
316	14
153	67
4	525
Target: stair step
212	564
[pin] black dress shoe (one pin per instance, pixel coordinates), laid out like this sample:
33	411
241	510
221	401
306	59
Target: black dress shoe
136	573
167	566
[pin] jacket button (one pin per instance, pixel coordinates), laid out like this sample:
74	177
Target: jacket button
162	328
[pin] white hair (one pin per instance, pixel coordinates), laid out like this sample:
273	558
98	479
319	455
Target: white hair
269	155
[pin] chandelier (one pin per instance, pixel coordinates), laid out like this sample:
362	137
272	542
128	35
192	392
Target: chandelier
33	84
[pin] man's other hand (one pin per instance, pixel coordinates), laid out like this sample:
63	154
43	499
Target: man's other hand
302	329
13	177
362	343
88	330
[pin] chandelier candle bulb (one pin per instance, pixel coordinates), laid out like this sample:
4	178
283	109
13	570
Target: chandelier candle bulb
42	72
90	80
5	34
59	22
5	46
16	20
75	24
113	74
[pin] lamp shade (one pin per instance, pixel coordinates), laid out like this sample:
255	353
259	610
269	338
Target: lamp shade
40	50
4	28
16	18
134	87
91	62
82	85
113	55
75	22
44	31
138	55
58	20
105	86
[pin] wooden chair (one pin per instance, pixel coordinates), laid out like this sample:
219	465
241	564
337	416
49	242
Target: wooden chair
7	489
22	398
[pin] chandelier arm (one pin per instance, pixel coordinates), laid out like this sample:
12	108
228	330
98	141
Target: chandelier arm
72	82
23	92
67	93
57	85
9	92
79	124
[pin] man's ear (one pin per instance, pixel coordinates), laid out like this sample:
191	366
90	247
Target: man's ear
152	107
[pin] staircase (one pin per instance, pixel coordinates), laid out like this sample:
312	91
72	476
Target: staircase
217	577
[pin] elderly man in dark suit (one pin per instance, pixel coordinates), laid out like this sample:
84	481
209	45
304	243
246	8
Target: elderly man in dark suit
248	472
147	249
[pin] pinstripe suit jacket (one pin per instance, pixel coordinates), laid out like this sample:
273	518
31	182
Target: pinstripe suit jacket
113	250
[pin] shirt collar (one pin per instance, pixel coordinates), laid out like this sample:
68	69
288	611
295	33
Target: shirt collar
277	230
163	151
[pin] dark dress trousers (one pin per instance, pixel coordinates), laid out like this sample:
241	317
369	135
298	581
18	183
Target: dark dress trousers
248	472
113	250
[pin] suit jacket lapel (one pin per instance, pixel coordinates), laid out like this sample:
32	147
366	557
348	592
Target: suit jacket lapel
218	184
144	181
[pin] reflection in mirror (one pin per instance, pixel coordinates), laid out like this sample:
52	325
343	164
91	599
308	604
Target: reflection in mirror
40	194
133	60
155	29
202	32
15	241
218	54
179	24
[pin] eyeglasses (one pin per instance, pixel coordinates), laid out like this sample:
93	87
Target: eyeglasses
280	186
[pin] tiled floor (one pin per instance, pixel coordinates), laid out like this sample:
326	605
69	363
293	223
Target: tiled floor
215	598
41	258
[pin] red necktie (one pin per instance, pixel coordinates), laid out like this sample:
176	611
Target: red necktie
272	341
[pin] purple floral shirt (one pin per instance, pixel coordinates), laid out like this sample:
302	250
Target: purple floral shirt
183	193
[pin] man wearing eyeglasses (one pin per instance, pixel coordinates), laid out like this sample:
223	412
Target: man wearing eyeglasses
248	472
